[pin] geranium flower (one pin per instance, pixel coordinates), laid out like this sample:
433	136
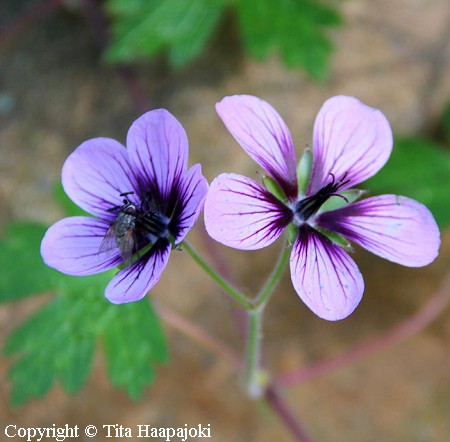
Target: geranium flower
352	141
144	201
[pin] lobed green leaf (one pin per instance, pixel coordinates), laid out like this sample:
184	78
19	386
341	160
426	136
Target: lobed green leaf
296	29
133	342
23	272
144	28
57	343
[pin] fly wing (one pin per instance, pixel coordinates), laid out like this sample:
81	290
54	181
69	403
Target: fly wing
127	245
109	244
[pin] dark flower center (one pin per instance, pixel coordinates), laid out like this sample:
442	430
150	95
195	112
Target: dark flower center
153	225
309	206
136	226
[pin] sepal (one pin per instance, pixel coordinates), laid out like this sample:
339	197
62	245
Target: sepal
336	238
291	233
304	167
343	199
272	186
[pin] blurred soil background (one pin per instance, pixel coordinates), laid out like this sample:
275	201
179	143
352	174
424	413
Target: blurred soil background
54	94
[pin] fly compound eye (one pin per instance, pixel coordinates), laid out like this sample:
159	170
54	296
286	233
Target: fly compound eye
130	209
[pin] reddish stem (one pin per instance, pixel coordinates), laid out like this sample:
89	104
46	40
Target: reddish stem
97	21
398	333
279	406
36	12
196	333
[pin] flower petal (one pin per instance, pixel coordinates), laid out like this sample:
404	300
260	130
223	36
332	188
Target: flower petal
352	142
263	134
324	276
394	227
133	283
241	213
72	246
158	148
191	196
96	173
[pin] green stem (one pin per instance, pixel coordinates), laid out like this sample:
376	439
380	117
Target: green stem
236	294
274	277
254	378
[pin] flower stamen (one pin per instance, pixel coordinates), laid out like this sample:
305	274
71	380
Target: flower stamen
309	206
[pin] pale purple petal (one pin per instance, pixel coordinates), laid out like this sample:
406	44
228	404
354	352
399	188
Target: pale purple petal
72	246
133	283
95	175
192	191
158	149
324	276
263	134
394	227
241	213
352	141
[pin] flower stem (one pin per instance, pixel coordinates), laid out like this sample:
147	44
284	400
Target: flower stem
274	278
274	399
236	294
254	378
40	9
196	333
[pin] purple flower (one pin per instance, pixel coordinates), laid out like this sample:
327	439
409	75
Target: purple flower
144	200
351	143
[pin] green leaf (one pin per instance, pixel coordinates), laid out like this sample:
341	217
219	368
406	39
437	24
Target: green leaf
23	271
297	29
142	28
58	341
26	274
132	340
419	169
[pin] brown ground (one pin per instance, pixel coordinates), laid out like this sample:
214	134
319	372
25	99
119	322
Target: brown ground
54	94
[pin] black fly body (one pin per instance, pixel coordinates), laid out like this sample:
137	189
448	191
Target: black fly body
134	228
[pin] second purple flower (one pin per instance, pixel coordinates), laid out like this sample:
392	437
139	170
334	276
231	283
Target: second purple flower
351	143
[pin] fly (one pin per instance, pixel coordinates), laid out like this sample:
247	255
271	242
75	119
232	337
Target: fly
133	229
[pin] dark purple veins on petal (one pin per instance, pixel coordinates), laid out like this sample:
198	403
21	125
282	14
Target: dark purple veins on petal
273	210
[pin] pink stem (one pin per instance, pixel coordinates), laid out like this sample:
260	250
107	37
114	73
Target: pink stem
396	334
279	406
37	11
196	333
99	27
